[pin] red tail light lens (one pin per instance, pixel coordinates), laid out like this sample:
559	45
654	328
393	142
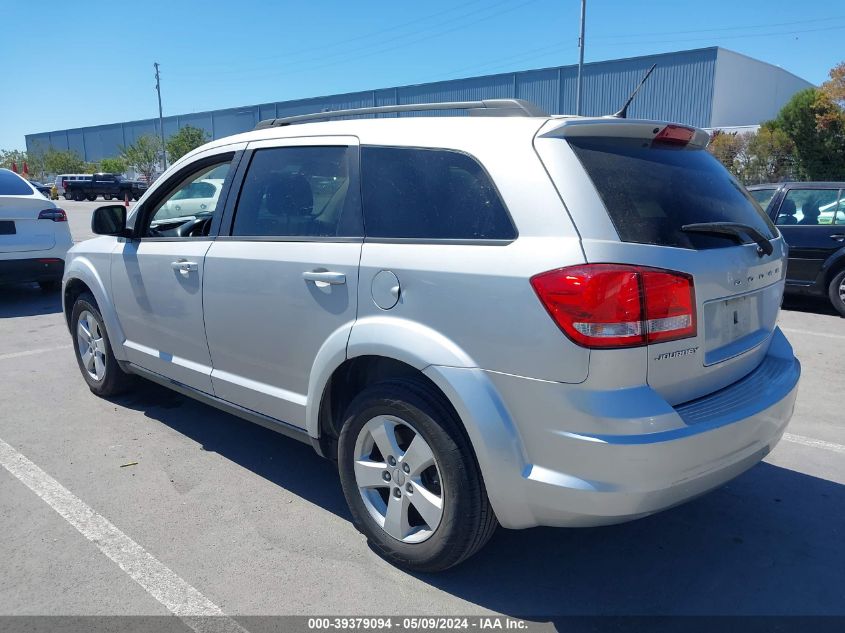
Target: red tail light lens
616	305
56	215
674	135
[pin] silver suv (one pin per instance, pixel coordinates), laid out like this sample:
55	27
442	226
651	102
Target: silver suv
517	319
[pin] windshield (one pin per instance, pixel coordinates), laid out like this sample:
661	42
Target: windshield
651	191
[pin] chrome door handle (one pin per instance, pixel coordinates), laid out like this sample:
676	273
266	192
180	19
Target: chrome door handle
184	266
839	237
324	277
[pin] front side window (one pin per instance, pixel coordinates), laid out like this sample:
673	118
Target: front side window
298	192
188	208
808	207
430	194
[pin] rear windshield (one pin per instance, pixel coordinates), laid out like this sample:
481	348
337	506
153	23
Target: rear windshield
651	191
13	185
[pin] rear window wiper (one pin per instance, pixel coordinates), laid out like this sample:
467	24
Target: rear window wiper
734	231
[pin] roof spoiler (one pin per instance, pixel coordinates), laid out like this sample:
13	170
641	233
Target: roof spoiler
617	128
486	107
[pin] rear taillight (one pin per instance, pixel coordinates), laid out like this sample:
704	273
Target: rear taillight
674	135
56	215
616	305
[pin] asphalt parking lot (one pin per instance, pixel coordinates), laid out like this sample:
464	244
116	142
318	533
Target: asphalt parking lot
257	523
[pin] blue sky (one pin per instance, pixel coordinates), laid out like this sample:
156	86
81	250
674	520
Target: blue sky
86	63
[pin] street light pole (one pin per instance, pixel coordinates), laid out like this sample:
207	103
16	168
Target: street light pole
579	87
160	118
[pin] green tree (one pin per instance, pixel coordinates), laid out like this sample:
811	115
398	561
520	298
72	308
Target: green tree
767	156
728	148
116	165
143	155
63	162
816	125
186	139
9	156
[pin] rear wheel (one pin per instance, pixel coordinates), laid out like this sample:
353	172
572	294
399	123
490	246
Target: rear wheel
107	196
410	478
836	292
92	197
93	350
79	196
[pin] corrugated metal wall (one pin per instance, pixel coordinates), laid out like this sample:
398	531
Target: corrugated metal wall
681	89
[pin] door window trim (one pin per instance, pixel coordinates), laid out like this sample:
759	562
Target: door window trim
178	179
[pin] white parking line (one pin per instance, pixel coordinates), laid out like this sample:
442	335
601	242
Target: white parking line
790	330
809	441
159	581
32	352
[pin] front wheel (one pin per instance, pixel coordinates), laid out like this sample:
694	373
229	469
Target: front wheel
92	197
93	350
107	196
411	479
836	292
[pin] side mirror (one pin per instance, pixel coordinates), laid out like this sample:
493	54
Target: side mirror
109	220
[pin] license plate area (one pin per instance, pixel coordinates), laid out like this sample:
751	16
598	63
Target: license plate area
7	227
733	326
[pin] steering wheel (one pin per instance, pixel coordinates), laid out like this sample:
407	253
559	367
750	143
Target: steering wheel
187	229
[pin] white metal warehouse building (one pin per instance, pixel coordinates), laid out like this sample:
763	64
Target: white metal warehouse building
707	87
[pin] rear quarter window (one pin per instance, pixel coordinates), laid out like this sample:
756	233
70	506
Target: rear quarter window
650	191
430	194
13	185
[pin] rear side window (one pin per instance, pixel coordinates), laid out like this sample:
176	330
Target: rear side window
651	191
430	194
763	196
299	192
13	185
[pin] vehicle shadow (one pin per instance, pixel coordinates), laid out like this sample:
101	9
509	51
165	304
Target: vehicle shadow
771	542
284	461
21	300
814	305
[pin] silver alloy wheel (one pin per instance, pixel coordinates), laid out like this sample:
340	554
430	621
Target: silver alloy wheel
91	345
399	479
842	290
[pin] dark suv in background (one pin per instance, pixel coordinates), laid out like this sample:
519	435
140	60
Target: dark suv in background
811	216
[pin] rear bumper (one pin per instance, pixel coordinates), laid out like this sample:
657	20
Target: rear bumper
633	454
26	270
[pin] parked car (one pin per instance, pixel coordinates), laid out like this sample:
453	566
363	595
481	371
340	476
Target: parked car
517	320
811	216
196	198
43	189
61	179
34	234
107	185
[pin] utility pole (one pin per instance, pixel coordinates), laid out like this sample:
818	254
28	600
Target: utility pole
579	88
160	118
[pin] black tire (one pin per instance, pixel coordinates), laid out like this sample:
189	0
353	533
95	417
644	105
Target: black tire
68	196
107	196
79	196
114	380
92	197
833	292
467	521
51	285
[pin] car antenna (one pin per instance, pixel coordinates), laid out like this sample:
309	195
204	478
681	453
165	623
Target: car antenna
623	113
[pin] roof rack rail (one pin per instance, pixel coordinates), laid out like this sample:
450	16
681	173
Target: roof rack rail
486	107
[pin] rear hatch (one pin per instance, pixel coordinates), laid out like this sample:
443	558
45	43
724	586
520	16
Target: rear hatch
633	189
